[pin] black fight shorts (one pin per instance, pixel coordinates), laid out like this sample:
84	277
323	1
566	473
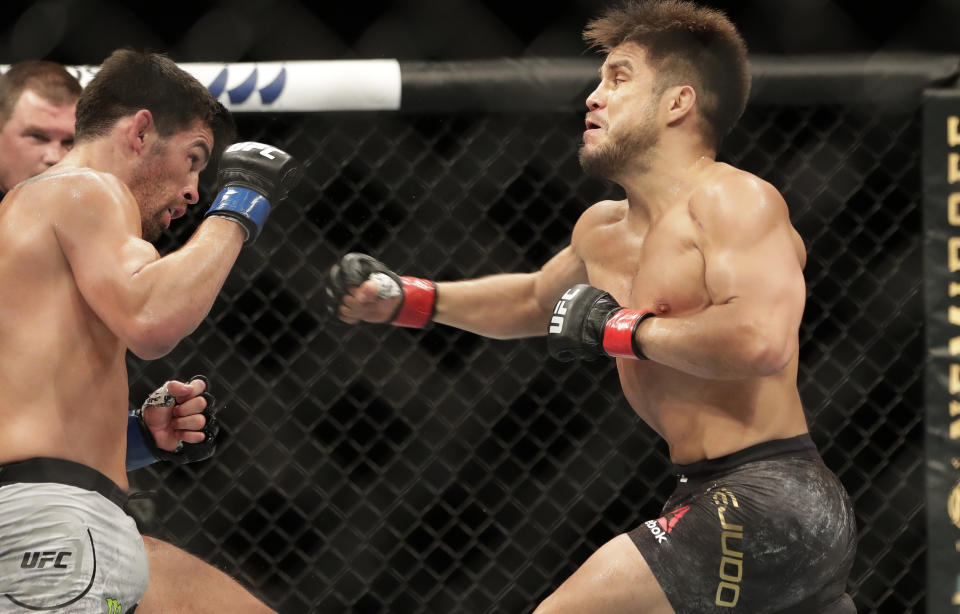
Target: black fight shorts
768	529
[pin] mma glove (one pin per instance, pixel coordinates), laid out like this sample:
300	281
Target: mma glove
252	177
588	323
419	296
142	448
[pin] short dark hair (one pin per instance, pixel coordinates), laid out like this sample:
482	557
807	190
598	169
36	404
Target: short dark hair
686	44
51	81
129	81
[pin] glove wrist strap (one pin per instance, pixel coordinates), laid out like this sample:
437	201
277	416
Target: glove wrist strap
419	302
619	333
244	206
139	453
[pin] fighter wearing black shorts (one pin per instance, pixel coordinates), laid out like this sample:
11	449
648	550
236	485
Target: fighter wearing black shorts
765	529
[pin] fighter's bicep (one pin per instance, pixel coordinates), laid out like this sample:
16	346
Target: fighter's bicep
564	270
568	267
750	254
99	236
107	266
765	272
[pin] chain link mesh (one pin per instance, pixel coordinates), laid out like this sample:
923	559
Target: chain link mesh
376	469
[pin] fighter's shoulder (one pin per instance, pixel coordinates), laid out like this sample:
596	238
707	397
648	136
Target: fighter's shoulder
75	178
731	195
599	214
94	188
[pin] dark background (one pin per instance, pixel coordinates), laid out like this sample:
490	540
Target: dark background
86	31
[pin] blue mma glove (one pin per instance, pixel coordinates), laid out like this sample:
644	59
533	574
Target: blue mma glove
252	177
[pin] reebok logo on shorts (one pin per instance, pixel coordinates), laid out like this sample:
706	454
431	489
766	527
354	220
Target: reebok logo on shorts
664	525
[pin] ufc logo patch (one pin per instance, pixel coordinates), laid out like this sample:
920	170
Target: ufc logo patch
560	310
39	560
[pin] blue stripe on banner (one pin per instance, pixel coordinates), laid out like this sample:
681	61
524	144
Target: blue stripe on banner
270	92
219	84
242	92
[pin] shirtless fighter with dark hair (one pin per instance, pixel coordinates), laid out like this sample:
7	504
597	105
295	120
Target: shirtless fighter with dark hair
694	285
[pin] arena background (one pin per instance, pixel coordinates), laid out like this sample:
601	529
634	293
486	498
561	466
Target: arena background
371	469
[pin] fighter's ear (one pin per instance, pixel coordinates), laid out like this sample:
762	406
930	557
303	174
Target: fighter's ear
680	102
142	130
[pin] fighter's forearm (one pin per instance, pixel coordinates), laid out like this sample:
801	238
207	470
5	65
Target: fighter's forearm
720	342
176	292
499	306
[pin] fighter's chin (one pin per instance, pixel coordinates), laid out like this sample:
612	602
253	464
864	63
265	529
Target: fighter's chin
152	232
595	164
152	235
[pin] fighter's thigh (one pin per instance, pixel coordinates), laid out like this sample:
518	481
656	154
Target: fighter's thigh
185	584
615	579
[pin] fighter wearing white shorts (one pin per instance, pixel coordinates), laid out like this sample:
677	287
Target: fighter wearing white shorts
66	542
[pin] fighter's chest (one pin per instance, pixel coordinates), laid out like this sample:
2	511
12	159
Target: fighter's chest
662	269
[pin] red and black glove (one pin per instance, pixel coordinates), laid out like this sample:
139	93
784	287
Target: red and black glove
419	296
588	323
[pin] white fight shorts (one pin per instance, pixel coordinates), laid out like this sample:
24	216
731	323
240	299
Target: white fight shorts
66	544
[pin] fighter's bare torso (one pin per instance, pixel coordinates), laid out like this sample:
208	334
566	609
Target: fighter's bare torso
56	349
657	262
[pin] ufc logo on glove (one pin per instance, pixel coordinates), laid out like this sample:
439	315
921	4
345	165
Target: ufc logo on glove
560	310
265	150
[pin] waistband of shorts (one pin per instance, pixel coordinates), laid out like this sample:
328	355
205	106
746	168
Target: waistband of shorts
60	471
801	446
